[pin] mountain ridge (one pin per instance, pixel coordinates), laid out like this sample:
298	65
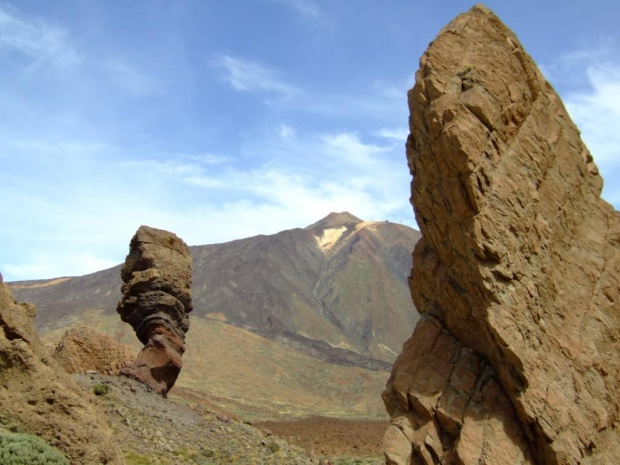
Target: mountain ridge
315	296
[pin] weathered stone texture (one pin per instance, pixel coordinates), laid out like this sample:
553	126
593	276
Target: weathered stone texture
156	301
517	271
82	349
38	397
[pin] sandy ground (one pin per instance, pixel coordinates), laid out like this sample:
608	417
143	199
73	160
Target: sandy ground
330	436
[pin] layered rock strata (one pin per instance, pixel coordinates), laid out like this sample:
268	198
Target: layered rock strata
157	299
38	397
82	349
517	274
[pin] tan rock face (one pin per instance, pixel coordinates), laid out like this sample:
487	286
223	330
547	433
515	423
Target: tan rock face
38	397
156	301
517	274
81	349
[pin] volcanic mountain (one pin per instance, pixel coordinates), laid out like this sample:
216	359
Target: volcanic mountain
335	291
340	283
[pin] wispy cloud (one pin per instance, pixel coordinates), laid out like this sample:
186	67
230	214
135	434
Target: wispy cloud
592	97
44	44
375	101
367	179
395	133
307	8
597	111
287	132
254	77
131	78
568	68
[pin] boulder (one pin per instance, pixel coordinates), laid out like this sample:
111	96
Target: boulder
517	272
83	349
157	299
38	397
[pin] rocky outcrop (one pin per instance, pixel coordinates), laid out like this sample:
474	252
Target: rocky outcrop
81	349
517	273
38	397
157	299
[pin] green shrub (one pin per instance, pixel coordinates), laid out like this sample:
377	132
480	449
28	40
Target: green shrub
273	447
134	458
100	389
25	449
131	458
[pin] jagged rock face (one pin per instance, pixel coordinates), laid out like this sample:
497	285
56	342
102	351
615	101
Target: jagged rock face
156	301
517	273
38	397
81	349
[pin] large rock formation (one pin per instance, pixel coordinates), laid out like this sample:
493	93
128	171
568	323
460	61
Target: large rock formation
517	273
156	301
81	349
38	397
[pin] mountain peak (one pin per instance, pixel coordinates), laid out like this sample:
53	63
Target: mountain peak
334	220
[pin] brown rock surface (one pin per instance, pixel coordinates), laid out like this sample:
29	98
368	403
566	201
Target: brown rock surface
81	349
38	397
156	301
517	274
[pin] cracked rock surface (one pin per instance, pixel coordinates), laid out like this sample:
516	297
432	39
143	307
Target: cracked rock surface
517	273
157	299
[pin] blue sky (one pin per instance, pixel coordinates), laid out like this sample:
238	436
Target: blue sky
223	119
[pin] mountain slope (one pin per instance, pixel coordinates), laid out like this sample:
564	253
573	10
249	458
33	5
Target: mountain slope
303	322
336	290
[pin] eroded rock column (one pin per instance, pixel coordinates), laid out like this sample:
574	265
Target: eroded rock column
517	273
157	299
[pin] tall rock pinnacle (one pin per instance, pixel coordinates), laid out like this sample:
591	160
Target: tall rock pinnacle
156	301
517	276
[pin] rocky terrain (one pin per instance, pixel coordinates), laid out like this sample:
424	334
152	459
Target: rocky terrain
336	292
516	276
97	419
155	430
82	349
333	437
38	397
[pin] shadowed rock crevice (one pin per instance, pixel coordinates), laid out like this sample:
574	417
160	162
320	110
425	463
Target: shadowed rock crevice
518	266
157	298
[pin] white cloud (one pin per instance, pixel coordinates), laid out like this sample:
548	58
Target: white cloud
85	222
206	158
396	133
254	77
596	111
42	43
348	148
568	68
287	132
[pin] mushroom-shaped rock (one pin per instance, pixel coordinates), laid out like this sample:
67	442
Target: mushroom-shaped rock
157	298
